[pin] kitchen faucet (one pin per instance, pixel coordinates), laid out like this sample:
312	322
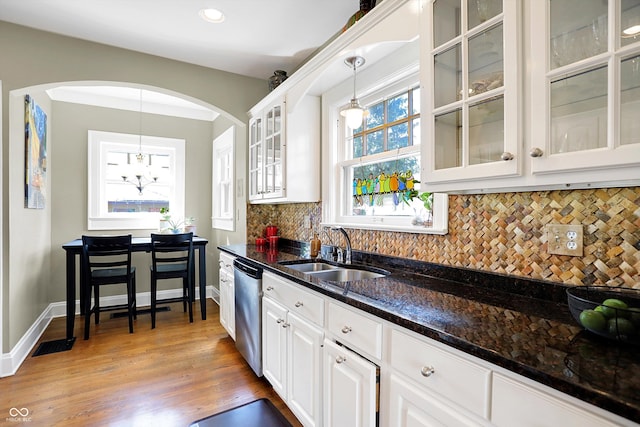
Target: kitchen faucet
347	254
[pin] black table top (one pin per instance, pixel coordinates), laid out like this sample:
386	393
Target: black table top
521	325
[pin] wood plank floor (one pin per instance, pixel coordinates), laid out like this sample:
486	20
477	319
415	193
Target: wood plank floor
169	376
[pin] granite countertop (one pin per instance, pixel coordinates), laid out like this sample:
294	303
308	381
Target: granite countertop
521	325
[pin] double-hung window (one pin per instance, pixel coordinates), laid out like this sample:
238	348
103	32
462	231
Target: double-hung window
377	167
131	178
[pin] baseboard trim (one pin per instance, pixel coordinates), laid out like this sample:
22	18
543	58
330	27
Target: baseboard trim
11	362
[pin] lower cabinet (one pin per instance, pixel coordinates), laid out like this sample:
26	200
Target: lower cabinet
292	351
350	388
227	295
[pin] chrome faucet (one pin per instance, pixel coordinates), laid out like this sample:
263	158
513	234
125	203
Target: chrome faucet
347	253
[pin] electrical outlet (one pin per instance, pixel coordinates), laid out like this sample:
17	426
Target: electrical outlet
307	221
565	239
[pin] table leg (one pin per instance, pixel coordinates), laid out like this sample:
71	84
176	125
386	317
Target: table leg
202	276
71	294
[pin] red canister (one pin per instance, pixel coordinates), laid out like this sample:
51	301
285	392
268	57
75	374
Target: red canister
272	230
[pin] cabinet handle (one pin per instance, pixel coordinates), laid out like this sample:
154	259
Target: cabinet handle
536	152
341	359
346	329
299	304
269	288
506	156
427	371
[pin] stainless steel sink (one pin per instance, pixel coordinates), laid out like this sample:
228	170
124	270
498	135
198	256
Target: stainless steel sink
345	274
334	273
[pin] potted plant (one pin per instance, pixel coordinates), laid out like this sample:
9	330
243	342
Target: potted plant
190	225
165	217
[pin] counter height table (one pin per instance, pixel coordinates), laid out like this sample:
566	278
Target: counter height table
139	244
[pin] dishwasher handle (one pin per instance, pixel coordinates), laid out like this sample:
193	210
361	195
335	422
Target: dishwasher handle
250	270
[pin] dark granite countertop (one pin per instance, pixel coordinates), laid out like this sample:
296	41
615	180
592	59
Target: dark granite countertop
518	324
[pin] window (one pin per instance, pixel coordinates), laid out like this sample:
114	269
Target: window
223	177
132	177
378	167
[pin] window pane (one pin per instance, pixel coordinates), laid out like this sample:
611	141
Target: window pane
480	10
398	107
630	101
376	115
579	112
375	142
445	12
357	147
448	140
448	76
383	188
486	131
398	136
485	61
630	22
415	134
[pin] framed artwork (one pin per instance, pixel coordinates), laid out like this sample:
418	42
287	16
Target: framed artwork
35	155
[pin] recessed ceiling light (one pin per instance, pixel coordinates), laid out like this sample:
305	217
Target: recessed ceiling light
212	15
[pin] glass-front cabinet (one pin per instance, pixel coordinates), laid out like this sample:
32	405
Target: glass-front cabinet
266	154
586	82
470	74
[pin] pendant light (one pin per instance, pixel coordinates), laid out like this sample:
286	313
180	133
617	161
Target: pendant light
353	113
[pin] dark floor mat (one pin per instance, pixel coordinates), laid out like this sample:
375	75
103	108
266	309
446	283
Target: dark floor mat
138	312
259	413
56	346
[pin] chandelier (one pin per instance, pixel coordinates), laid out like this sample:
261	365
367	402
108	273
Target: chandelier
139	174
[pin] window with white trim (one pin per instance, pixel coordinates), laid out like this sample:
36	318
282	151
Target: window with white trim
131	178
379	166
223	177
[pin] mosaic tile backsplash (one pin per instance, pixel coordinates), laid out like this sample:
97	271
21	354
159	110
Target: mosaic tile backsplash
502	233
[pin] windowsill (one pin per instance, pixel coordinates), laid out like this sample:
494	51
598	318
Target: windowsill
390	228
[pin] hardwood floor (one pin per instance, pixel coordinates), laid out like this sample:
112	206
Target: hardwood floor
169	376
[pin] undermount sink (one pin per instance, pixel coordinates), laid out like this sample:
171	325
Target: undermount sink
334	273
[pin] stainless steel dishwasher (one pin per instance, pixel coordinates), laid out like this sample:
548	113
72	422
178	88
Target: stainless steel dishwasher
248	299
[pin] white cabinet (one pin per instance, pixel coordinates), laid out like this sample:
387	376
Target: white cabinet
471	101
515	403
448	386
350	388
292	347
284	151
227	294
586	83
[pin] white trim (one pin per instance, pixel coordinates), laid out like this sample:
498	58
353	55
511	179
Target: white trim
11	362
223	146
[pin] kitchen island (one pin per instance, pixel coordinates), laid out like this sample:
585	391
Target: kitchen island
521	325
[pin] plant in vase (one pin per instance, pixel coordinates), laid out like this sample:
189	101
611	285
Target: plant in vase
190	225
175	226
165	217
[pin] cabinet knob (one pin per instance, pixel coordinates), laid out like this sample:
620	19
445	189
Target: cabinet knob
285	325
299	304
346	329
279	320
536	152
427	371
506	156
269	288
341	359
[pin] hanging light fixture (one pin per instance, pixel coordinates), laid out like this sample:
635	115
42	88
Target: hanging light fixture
353	113
142	175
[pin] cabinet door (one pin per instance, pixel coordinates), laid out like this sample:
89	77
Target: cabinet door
350	389
471	78
227	303
305	370
274	345
586	87
413	407
256	159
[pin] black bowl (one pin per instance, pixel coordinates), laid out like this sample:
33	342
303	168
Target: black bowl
616	322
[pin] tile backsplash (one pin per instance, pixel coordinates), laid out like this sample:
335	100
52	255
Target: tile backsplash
502	233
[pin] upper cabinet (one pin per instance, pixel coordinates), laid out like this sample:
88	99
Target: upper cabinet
587	78
284	151
533	94
470	78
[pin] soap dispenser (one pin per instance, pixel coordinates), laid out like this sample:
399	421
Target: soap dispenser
315	245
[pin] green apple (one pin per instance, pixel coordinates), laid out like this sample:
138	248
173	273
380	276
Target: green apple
621	326
594	320
613	307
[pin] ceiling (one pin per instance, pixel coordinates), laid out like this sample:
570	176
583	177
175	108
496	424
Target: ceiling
256	38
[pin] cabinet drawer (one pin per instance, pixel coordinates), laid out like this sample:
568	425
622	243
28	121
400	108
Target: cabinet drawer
444	372
294	298
226	262
355	330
